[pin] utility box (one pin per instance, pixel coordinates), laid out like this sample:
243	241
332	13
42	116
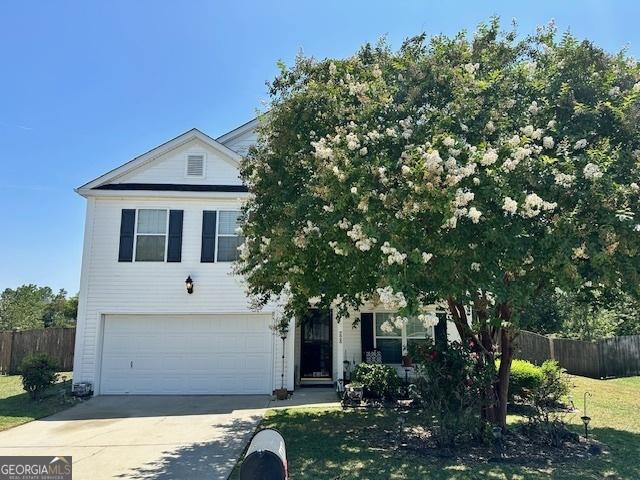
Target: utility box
266	457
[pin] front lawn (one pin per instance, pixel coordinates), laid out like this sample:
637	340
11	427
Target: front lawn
329	443
16	407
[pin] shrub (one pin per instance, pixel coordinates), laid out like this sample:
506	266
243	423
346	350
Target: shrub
547	417
379	381
38	373
451	385
525	378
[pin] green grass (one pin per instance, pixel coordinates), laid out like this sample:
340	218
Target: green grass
329	443
16	407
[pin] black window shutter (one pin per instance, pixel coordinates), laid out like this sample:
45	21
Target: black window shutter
174	249
127	226
366	333
208	252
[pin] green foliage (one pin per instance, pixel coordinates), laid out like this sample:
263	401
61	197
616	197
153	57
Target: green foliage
30	307
525	377
489	171
38	372
451	385
512	162
378	380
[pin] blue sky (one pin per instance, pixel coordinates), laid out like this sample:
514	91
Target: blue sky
87	85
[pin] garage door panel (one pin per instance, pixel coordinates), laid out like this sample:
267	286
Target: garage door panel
215	354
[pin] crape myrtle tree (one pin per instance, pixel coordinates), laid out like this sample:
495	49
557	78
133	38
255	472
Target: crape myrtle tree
484	171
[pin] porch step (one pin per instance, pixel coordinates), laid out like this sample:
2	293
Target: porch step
309	382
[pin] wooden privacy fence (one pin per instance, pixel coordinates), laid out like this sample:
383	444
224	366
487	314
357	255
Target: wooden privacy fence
611	357
58	343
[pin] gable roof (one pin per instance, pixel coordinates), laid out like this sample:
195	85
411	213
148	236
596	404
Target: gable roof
141	160
238	131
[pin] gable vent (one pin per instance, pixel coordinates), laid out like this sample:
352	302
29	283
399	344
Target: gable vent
195	165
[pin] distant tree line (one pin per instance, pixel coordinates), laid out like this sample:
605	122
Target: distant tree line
564	315
30	307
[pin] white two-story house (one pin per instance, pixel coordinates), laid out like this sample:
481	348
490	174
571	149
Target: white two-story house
160	309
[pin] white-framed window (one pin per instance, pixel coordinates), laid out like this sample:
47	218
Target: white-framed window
152	225
195	165
227	238
393	344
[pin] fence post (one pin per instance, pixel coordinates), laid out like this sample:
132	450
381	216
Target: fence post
12	357
552	352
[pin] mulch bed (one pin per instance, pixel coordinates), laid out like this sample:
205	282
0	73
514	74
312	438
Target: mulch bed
521	445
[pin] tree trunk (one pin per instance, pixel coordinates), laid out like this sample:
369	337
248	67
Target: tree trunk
485	344
506	350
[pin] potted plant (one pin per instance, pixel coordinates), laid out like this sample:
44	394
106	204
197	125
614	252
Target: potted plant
354	392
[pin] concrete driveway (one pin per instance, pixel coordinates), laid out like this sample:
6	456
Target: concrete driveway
150	437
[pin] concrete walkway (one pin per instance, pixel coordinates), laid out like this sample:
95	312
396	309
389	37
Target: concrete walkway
153	437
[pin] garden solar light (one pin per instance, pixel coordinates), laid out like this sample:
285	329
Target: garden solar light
189	283
585	418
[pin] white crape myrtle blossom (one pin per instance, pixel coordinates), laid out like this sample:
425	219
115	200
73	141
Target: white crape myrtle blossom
387	327
393	255
490	127
521	153
449	142
580	144
322	151
463	197
475	266
426	257
429	320
399	321
313	301
528	130
332	69
509	205
471	68
352	141
533	108
580	252
474	214
363	243
634	186
547	142
489	158
433	161
533	205
563	179
337	250
514	141
636	87
391	300
592	171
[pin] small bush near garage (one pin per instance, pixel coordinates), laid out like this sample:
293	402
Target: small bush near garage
378	380
39	372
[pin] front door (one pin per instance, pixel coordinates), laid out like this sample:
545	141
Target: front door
316	351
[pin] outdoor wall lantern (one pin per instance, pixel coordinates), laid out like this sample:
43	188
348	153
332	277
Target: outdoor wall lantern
189	283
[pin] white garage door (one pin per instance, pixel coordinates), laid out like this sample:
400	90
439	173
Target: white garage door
191	354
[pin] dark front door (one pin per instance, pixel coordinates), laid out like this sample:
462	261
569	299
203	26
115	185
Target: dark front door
316	352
